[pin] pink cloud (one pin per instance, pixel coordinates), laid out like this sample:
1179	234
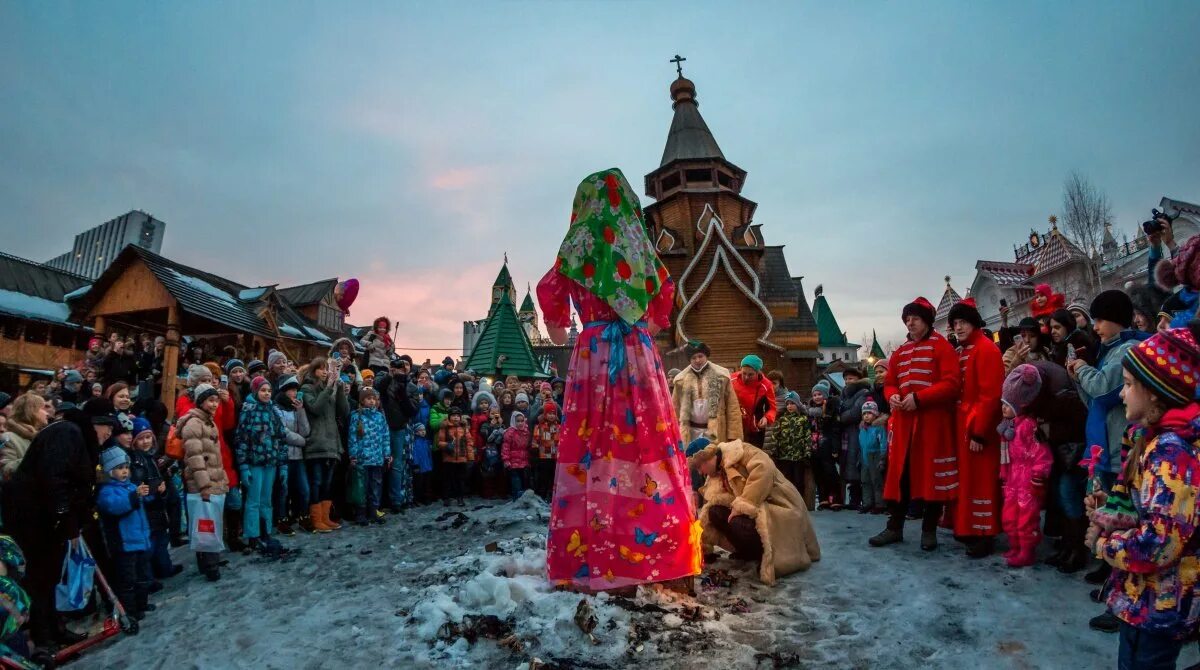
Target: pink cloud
429	305
455	179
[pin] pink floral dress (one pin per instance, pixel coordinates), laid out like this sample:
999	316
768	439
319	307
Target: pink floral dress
621	513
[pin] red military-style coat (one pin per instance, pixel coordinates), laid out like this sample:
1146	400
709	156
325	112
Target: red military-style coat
977	510
925	437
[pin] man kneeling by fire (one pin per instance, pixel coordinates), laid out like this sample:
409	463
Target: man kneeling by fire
752	510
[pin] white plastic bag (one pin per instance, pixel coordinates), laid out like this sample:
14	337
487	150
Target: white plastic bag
205	523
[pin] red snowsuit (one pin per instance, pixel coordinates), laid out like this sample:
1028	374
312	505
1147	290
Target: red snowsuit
977	510
925	437
1029	459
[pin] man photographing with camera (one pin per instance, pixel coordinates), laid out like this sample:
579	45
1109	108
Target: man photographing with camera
1161	232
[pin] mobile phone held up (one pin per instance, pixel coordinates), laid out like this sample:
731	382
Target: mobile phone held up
1004	302
337	355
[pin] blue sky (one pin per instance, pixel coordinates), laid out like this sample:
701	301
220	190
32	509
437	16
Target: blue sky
412	144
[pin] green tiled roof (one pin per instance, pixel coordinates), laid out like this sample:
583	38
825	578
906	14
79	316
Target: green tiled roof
527	304
503	279
829	333
876	350
503	335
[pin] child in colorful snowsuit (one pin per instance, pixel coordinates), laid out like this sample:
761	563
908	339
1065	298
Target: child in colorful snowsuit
873	441
1025	468
422	465
545	442
515	453
794	441
1156	563
127	532
260	441
458	450
370	449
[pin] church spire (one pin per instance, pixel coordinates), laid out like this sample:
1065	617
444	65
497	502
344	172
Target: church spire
689	137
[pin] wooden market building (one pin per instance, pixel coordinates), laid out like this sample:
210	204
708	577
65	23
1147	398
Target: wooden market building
142	291
37	334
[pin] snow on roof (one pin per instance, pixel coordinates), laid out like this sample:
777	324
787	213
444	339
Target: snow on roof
202	286
77	293
32	307
252	293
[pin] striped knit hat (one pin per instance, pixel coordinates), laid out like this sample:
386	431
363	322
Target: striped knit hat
1168	363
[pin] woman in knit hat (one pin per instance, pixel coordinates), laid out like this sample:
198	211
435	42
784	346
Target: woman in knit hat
1156	564
756	397
605	509
825	414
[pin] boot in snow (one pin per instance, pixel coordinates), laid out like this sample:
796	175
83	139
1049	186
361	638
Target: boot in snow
1105	623
325	505
888	536
928	540
284	527
981	547
1014	548
1076	555
233	532
1099	575
1027	556
317	514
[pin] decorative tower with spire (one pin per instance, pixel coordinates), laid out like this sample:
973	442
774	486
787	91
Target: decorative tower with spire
504	285
950	298
733	291
528	317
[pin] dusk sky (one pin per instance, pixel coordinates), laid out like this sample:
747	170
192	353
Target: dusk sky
412	144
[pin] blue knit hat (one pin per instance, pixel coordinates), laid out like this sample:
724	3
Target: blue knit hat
232	364
823	387
113	457
793	397
140	426
753	361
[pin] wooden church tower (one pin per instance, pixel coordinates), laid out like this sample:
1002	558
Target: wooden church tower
733	291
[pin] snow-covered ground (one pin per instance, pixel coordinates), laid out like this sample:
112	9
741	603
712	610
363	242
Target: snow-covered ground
439	590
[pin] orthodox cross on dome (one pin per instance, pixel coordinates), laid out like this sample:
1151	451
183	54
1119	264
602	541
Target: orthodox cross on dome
678	61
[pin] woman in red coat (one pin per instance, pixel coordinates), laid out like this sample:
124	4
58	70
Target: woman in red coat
976	513
922	389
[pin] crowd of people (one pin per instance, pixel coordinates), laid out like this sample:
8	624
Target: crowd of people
1080	423
262	449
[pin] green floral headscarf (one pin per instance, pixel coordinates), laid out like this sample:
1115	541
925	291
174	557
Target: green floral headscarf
607	250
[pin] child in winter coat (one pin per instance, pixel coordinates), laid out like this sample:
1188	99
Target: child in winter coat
127	532
491	444
545	442
293	506
489	476
516	455
422	455
1025	468
794	442
370	450
143	469
873	441
1156	563
458	450
203	470
259	440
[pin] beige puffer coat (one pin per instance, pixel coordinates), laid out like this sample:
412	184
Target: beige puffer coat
202	468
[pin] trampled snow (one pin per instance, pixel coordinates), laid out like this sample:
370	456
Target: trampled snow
464	588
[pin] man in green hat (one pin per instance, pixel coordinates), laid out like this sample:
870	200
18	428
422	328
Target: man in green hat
756	396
